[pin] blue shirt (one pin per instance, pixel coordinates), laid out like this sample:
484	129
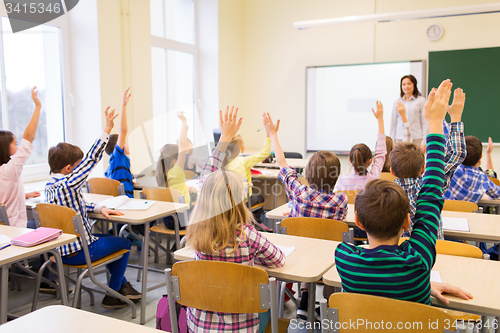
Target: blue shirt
119	169
470	184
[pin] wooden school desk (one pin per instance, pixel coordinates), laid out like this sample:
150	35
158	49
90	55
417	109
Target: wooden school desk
311	259
483	227
476	276
14	253
64	319
157	211
268	185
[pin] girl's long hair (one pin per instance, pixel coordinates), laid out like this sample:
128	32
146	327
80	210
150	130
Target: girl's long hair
6	138
359	156
168	153
219	215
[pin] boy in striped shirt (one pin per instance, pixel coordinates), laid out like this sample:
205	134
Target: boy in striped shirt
386	268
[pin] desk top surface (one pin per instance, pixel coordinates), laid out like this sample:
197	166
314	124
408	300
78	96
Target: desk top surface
15	253
159	210
64	319
483	227
311	259
476	276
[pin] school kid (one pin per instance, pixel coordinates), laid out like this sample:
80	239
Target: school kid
361	157
407	159
386	268
12	159
170	166
221	228
316	200
69	171
191	160
470	183
117	149
243	165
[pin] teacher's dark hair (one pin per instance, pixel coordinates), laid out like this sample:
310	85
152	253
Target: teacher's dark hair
416	93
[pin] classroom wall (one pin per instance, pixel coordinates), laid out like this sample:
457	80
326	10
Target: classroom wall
262	58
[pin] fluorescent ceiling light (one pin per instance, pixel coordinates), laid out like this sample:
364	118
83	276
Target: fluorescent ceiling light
401	16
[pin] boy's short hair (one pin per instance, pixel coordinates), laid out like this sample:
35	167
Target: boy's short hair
113	139
474	150
407	160
382	208
62	155
323	170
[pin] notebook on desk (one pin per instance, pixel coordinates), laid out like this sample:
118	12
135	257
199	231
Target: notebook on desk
37	236
122	202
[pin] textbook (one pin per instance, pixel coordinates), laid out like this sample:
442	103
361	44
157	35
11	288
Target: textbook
4	241
455	224
37	236
122	202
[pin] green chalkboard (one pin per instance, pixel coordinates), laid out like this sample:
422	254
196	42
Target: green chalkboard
477	72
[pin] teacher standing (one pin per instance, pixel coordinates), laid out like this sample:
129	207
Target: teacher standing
410	103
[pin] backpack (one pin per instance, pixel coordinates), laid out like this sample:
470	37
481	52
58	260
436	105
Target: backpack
163	316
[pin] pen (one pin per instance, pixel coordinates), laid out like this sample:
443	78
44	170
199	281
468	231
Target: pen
260	129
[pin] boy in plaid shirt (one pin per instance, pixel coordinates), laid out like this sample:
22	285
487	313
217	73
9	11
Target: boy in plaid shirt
407	159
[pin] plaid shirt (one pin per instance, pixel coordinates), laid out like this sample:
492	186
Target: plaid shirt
470	184
66	190
252	246
307	202
455	155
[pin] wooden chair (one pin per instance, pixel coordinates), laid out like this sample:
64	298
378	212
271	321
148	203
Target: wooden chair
105	186
303	181
4	218
351	196
180	219
460	206
454	248
345	307
70	222
189	174
223	287
311	227
495	181
388	176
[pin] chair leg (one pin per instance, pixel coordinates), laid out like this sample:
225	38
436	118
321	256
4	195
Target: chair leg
156	247
281	299
37	285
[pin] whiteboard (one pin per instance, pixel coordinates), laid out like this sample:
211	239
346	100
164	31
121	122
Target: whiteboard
340	101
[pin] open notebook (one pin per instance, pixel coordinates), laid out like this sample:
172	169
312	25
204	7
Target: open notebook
122	202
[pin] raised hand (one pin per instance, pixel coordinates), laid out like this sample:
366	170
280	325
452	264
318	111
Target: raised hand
229	123
34	97
126	96
400	107
457	107
436	106
181	116
110	117
490	146
379	114
271	128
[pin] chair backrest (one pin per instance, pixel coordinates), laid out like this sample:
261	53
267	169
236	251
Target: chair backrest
161	194
375	311
56	216
496	181
351	196
455	248
303	181
4	218
104	186
460	206
292	155
315	228
189	174
388	176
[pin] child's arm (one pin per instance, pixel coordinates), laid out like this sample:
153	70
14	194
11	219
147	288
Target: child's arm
381	149
30	131
430	199
489	163
455	143
272	132
14	167
253	160
181	157
402	113
123	122
229	126
438	289
268	254
94	155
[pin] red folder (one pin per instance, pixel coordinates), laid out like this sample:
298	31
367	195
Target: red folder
37	236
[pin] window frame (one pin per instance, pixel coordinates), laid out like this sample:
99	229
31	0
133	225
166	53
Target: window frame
41	171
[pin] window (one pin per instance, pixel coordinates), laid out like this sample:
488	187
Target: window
174	55
32	58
